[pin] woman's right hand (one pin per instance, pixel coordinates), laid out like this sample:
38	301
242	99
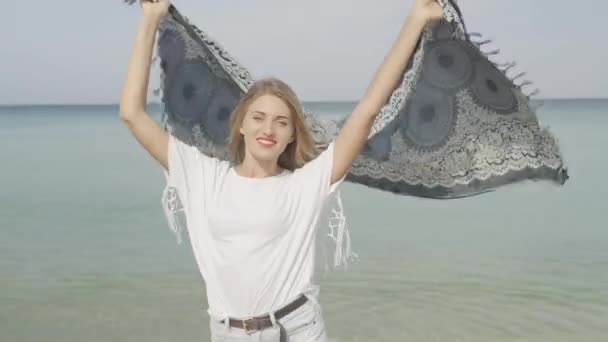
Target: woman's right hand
426	10
154	10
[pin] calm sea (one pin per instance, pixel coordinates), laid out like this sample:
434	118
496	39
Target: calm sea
85	253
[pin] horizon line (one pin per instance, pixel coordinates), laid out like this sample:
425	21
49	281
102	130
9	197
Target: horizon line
59	104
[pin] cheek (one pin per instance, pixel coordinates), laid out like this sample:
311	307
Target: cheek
248	128
287	133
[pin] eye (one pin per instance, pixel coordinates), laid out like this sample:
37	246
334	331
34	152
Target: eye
257	118
283	123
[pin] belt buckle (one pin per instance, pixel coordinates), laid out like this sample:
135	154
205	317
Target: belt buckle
251	322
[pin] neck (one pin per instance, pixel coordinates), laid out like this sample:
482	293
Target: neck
253	168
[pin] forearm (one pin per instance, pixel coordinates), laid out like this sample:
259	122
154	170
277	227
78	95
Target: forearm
355	131
390	71
134	94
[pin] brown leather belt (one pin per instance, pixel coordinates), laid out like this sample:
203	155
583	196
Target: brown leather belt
262	322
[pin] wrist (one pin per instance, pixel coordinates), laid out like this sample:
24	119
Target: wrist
416	21
150	21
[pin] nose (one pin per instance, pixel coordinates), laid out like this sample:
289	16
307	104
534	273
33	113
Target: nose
268	128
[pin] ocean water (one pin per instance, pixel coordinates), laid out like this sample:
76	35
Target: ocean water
85	253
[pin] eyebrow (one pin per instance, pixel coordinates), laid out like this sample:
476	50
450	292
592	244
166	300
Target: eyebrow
277	117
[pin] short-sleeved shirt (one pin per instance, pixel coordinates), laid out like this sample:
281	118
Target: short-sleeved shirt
253	238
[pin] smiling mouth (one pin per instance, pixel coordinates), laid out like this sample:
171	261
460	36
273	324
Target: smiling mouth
266	142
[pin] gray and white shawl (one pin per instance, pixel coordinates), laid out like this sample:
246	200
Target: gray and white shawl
455	126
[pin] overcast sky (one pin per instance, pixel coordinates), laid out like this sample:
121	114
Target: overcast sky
75	51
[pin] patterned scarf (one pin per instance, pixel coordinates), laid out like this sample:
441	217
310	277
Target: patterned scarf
455	126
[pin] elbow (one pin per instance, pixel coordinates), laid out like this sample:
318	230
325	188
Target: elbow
129	106
128	111
126	116
129	117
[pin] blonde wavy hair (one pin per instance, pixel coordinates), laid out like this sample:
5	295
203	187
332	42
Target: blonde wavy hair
298	152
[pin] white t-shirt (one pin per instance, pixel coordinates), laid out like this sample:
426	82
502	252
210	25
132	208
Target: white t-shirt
253	238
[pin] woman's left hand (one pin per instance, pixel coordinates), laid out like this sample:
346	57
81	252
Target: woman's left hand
426	11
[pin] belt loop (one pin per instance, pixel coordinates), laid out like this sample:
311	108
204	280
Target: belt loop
273	319
227	323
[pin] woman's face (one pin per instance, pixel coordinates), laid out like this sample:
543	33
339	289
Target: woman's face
267	128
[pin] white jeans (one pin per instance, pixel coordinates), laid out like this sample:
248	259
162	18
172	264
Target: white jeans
305	324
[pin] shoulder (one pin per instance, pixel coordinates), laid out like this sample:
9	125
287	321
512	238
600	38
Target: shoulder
322	160
316	174
190	158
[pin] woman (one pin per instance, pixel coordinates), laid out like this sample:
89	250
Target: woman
252	221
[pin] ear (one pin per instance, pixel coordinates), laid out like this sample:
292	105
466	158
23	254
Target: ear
241	129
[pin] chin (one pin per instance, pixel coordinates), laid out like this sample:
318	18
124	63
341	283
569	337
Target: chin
266	155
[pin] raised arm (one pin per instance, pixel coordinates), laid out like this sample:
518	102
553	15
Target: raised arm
353	135
133	99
